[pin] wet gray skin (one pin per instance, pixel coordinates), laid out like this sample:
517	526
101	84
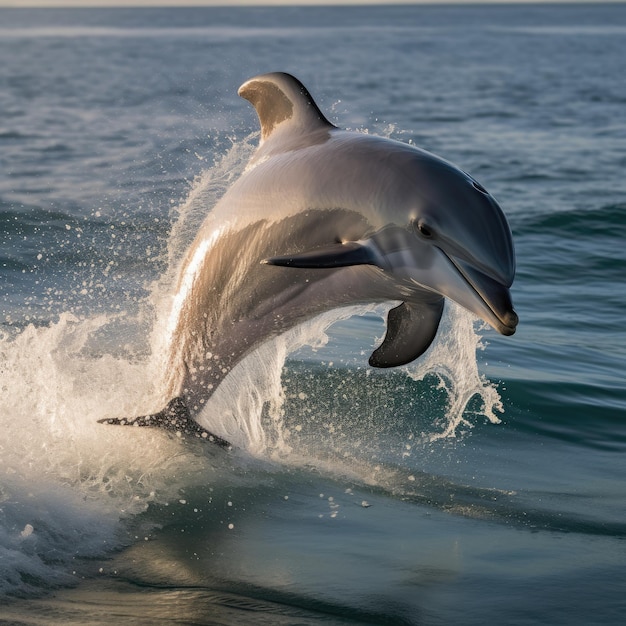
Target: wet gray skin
323	218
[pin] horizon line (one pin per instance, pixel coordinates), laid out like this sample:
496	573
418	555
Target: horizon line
53	4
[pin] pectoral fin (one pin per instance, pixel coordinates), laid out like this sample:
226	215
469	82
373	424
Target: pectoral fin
336	255
411	329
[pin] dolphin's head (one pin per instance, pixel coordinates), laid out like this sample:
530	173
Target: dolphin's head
457	242
443	235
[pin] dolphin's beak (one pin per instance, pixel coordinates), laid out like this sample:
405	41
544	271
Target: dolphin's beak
483	295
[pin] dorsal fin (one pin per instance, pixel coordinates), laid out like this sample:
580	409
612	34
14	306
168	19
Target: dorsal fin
281	99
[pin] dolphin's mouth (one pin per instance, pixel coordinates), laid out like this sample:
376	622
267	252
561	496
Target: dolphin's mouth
493	295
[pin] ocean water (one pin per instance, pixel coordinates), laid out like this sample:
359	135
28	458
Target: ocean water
484	483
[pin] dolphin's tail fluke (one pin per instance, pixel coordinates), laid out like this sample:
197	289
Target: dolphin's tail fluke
175	417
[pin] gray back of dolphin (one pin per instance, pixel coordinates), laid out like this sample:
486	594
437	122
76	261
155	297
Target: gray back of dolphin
323	218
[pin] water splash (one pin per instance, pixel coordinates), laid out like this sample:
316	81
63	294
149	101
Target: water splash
248	406
452	357
65	480
206	190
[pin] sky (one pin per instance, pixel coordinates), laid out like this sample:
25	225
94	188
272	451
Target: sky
179	3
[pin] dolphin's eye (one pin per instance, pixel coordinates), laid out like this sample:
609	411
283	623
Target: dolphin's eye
479	187
424	230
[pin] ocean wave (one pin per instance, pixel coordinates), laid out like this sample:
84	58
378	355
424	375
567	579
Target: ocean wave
606	221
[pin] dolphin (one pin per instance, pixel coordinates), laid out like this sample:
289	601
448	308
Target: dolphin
324	218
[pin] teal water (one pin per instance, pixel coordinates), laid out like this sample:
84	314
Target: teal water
484	483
